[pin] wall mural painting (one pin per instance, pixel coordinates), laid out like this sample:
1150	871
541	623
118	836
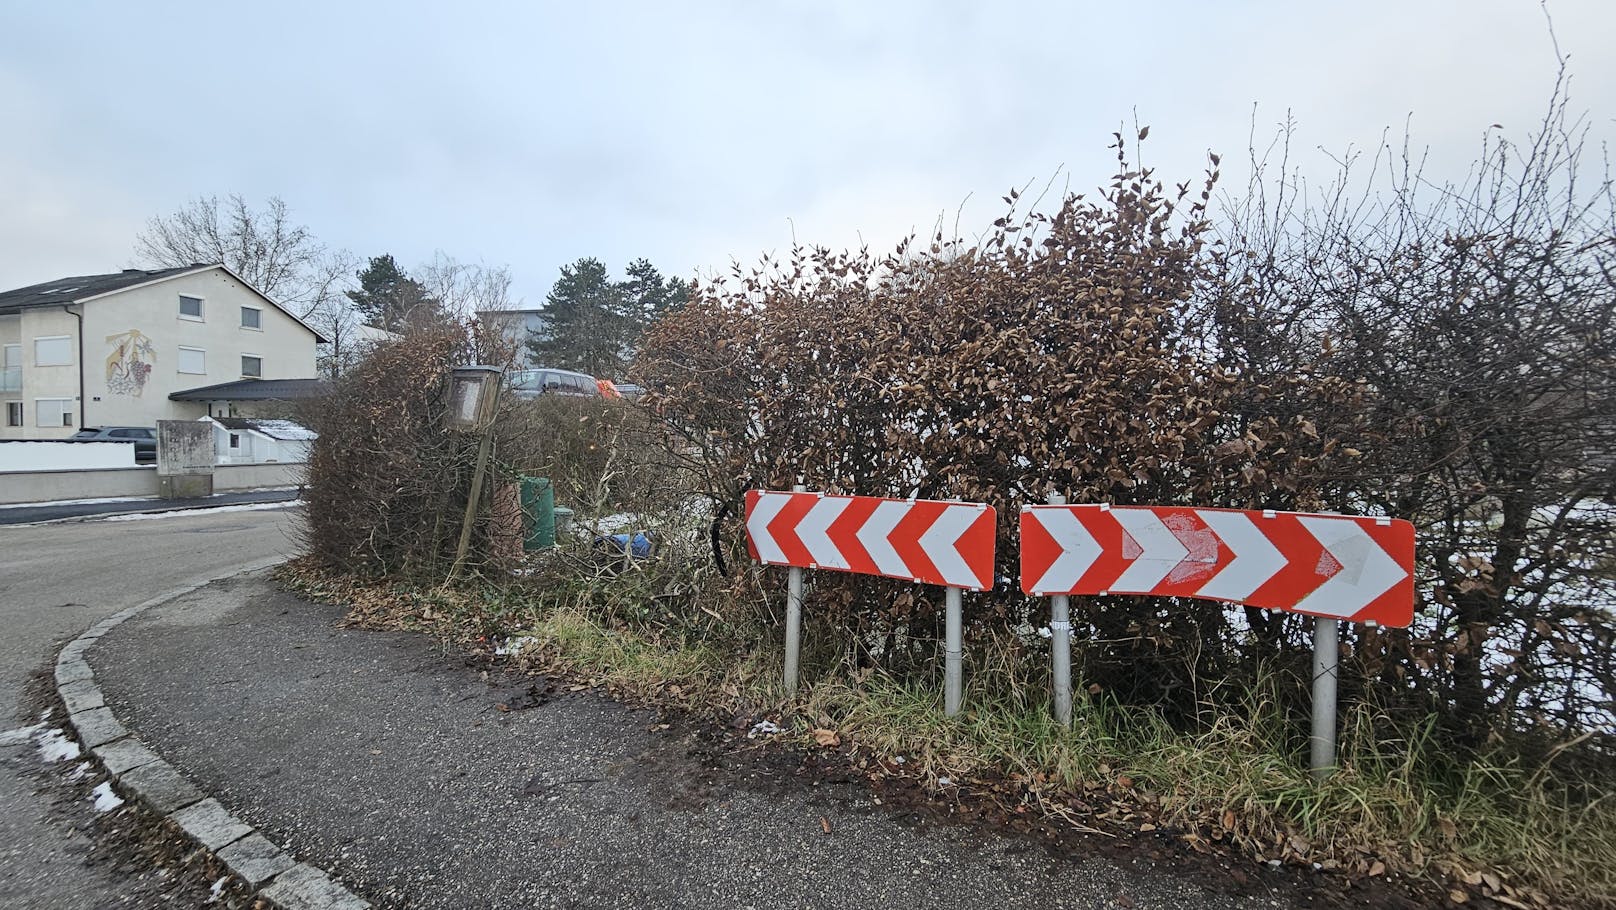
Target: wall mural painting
129	364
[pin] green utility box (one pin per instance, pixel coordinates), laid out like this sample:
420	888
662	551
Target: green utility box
538	513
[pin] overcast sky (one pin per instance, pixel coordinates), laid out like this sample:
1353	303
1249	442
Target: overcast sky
531	134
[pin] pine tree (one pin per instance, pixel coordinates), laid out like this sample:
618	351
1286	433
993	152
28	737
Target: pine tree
389	299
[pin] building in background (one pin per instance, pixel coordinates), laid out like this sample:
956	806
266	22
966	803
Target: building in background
125	349
518	327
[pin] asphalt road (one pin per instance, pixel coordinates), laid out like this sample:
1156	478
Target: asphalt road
387	761
55	581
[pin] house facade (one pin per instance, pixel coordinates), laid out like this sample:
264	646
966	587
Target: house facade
519	327
123	349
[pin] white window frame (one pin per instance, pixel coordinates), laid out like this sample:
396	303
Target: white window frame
64	418
247	375
64	363
235	442
179	362
252	328
21	412
201	308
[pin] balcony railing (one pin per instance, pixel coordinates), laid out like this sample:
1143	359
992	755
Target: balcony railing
11	379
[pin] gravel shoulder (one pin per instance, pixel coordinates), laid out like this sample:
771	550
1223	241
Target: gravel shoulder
387	762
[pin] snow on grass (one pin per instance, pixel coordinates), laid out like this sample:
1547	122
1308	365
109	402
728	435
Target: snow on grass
105	799
514	645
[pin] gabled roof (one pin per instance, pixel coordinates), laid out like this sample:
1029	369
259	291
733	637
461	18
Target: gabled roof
255	390
81	288
70	290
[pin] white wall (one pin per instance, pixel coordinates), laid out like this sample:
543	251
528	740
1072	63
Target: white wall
48	486
65	456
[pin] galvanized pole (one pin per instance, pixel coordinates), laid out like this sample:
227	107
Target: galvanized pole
1326	656
1060	645
793	619
953	677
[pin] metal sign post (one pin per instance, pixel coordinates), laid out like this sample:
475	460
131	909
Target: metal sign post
953	656
1326	658
921	540
1060	646
1331	567
793	620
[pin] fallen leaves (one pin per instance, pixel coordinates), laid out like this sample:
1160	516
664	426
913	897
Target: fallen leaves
827	739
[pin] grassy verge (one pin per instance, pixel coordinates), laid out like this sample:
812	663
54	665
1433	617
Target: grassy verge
1399	805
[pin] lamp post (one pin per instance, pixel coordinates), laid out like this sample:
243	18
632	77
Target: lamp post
473	396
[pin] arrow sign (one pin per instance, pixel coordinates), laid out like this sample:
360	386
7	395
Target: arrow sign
1338	566
923	540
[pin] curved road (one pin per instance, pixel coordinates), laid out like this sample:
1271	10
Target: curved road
56	581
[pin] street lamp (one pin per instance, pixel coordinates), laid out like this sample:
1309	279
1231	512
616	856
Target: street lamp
473	393
473	396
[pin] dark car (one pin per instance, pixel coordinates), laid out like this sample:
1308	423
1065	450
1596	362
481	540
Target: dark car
144	438
533	383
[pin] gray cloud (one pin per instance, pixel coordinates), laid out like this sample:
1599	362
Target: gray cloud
532	135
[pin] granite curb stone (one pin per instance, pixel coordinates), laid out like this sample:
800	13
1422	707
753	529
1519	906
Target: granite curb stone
211	824
124	755
98	726
255	860
81	696
304	887
136	769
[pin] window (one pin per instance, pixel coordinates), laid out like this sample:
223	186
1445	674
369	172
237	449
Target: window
13	413
11	369
53	351
252	366
190	307
193	360
235	440
251	317
53	412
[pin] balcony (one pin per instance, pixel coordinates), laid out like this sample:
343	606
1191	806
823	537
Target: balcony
11	379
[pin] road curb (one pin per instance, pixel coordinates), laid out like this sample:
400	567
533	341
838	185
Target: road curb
272	874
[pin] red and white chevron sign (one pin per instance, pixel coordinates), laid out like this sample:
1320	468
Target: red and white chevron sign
1360	569
924	540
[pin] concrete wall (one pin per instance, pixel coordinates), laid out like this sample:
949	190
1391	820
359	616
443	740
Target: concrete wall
21	455
47	486
132	342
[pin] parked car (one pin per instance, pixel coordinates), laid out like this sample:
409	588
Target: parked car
144	438
533	383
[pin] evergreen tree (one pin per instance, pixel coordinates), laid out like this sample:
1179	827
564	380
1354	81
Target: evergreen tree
585	322
389	299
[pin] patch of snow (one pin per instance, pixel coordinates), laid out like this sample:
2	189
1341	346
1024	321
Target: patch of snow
20	735
944	781
79	772
285	430
214	510
514	645
217	891
763	728
105	799
77	502
55	746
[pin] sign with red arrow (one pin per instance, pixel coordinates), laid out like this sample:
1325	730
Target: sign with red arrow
1337	566
923	540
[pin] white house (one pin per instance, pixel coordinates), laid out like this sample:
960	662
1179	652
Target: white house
134	347
519	327
244	440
